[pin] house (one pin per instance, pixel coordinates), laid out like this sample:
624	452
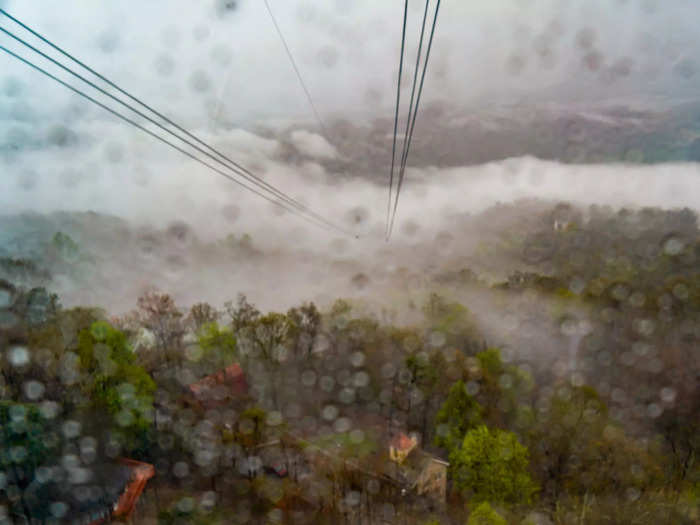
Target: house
219	388
417	470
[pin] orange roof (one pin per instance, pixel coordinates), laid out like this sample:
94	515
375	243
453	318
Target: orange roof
139	476
232	377
403	443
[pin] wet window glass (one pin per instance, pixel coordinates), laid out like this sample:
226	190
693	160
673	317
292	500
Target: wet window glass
359	262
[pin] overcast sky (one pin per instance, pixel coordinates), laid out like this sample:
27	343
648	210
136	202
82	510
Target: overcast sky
218	67
200	58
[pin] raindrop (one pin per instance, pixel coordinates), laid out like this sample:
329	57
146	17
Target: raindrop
685	68
361	379
61	136
170	36
329	412
328	57
27	180
515	64
226	7
222	55
673	246
164	65
352	498
360	281
58	509
181	469
18	356
108	41
357	436
274	418
668	395
654	410
49	409
357	359
308	378
357	216
12	87
230	212
585	38
5	299
388	370
71	429
208	500
342	425
70	178
327	383
34	389
199	81
680	290
437	339
637	299
633	494
185	505
593	61
114	153
346	395
200	33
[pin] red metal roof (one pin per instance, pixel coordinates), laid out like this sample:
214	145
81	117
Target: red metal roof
139	476
231	377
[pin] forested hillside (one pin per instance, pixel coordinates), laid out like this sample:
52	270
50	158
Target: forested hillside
553	368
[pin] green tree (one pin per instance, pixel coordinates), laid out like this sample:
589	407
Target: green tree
307	323
26	443
266	339
458	415
158	313
218	346
65	247
202	314
483	514
453	320
113	382
491	465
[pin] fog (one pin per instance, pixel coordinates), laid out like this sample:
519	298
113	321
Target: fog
219	68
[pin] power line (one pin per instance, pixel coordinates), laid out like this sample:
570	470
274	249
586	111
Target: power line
413	89
296	69
415	114
237	167
242	172
396	118
156	136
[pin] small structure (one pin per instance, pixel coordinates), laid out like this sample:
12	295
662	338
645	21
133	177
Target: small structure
417	470
217	389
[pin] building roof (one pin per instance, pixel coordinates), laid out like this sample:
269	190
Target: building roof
403	443
140	473
126	484
218	387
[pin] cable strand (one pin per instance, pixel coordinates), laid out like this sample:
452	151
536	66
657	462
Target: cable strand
243	173
158	137
396	120
415	113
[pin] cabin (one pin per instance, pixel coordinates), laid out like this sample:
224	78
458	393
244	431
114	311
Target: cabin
417	470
